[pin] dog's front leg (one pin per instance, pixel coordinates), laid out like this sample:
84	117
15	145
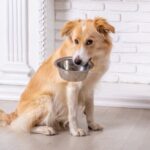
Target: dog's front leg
72	100
89	111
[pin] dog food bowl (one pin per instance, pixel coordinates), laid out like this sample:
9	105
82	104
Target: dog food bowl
69	71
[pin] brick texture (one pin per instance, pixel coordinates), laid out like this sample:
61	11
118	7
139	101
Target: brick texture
130	59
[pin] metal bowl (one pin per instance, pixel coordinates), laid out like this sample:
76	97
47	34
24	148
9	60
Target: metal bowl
70	71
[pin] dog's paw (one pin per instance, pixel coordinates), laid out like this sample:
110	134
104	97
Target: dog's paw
95	126
79	132
51	131
46	130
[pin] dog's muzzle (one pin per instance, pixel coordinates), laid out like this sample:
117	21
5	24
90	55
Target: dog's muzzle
79	61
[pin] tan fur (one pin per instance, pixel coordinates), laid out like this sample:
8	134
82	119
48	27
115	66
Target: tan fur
45	100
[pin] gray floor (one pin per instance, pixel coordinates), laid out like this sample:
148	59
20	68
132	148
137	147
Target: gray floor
125	129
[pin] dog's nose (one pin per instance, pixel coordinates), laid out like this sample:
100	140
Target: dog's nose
78	61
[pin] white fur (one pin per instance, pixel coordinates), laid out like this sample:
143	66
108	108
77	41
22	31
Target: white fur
23	123
82	54
72	99
83	26
43	130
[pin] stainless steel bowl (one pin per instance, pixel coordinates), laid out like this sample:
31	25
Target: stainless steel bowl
70	71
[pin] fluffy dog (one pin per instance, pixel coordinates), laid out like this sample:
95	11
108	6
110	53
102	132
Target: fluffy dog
48	100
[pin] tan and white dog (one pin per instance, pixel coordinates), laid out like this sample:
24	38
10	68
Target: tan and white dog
48	100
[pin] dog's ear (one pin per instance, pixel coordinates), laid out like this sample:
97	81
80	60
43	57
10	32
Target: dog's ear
68	27
103	26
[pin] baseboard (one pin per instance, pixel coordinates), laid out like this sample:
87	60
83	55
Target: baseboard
11	92
123	102
123	95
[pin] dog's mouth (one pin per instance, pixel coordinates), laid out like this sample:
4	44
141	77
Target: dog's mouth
89	61
77	61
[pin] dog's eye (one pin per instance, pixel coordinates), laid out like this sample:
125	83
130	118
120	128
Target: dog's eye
89	42
76	41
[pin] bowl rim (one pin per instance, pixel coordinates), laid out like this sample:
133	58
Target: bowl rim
69	57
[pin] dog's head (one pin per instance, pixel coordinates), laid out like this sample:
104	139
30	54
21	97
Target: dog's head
90	38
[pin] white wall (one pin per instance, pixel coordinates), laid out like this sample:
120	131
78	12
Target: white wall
27	37
130	61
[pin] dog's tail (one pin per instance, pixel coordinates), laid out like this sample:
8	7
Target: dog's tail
6	119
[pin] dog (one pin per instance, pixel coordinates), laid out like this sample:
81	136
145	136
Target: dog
48	101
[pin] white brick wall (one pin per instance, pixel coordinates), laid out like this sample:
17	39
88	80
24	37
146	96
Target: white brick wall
130	59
